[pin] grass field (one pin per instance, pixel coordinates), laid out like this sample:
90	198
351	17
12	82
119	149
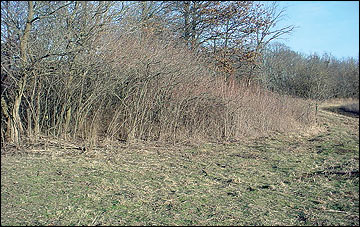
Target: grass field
307	178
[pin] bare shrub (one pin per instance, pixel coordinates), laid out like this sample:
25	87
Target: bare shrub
107	71
127	87
163	92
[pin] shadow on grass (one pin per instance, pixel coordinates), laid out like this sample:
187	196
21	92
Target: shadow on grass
350	110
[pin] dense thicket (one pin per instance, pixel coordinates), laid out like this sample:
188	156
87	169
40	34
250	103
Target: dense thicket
168	71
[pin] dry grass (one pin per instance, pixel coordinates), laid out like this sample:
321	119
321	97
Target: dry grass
309	178
340	101
348	107
352	108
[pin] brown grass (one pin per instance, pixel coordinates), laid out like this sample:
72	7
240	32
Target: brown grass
352	108
298	179
348	107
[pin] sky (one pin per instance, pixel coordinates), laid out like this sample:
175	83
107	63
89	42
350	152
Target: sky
322	27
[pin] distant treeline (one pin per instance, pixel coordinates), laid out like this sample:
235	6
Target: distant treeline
309	76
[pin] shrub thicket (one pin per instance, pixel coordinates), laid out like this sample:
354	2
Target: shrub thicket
149	89
95	71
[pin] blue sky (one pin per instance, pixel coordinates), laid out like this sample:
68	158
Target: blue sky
323	26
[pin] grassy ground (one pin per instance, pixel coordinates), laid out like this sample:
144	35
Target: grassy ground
308	178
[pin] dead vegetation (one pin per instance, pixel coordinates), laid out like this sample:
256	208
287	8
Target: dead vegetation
351	108
284	179
348	107
145	88
86	73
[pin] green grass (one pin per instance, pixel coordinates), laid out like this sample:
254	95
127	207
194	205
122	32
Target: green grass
298	179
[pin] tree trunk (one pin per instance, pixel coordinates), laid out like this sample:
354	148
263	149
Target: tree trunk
5	111
16	126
